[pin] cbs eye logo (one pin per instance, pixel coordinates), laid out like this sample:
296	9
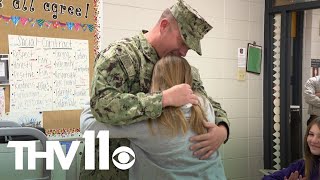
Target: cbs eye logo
123	158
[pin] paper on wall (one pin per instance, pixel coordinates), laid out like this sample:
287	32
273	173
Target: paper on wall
48	74
242	57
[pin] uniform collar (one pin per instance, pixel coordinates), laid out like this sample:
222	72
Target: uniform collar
147	49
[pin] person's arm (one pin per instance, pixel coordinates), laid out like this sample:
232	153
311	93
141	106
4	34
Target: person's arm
310	94
115	96
221	118
88	122
112	79
296	166
204	145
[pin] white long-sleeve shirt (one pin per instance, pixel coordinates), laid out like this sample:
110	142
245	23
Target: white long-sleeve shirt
312	87
159	156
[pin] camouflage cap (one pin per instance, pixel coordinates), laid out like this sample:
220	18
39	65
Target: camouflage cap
192	26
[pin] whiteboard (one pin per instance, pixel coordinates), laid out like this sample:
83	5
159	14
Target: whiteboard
48	74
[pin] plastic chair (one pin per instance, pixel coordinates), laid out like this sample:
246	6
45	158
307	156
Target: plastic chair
9	128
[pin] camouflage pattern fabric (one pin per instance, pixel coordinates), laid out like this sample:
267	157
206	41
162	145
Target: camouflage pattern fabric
221	115
108	87
122	78
113	173
192	26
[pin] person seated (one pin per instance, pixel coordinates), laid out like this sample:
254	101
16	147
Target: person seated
308	167
161	145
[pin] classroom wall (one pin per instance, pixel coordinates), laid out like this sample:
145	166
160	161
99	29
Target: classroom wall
235	23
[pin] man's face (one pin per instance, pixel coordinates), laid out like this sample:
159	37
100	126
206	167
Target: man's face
173	42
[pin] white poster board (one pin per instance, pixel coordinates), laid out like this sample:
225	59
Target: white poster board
48	74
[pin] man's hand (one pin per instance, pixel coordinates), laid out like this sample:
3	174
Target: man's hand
318	94
205	145
178	95
295	176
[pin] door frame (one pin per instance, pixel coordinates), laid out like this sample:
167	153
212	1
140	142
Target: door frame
285	73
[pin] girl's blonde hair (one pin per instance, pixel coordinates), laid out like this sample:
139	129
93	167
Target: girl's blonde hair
168	72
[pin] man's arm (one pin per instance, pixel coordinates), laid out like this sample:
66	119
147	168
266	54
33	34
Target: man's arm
310	94
205	145
221	118
111	101
88	122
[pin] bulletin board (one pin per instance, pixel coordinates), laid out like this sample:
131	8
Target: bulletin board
52	19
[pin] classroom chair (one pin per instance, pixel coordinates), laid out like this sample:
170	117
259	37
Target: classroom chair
12	130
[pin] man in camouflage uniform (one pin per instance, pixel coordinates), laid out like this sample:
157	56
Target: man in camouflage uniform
122	77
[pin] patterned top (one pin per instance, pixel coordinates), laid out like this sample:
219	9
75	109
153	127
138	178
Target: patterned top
119	94
122	79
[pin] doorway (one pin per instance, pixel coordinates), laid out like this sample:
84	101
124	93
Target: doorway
285	54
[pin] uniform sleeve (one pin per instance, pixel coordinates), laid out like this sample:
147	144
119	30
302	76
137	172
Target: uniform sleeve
88	122
111	101
220	114
309	93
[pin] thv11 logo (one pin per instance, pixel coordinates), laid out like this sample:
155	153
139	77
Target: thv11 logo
125	155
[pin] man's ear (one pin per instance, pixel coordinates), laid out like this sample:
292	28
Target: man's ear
164	25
